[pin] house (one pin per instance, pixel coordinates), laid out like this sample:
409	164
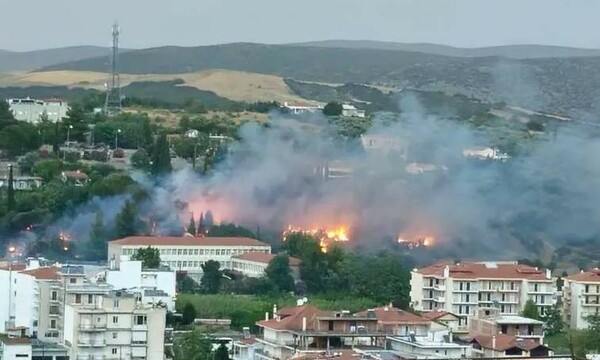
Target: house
15	347
335	169
394	321
460	288
352	111
192	133
503	345
77	178
254	264
581	298
155	285
22	182
31	110
438	345
485	153
448	319
188	253
382	143
301	109
489	321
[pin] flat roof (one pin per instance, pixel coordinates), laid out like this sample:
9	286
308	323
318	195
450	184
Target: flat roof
515	319
188	241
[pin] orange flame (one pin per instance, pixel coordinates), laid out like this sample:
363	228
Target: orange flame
417	241
324	235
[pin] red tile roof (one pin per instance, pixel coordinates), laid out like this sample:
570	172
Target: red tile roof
482	270
79	175
187	241
392	315
14	267
293	322
264	258
504	342
436	314
44	273
586	276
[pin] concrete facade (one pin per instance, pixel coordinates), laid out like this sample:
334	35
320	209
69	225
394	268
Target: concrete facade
581	298
31	110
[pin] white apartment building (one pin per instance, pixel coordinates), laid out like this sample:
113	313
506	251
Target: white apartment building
155	285
382	143
31	110
352	111
188	253
15	348
461	288
301	109
254	264
581	298
22	182
101	323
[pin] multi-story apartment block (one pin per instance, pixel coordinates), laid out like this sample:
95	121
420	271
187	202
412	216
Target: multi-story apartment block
188	253
101	323
254	264
461	288
31	110
489	321
581	298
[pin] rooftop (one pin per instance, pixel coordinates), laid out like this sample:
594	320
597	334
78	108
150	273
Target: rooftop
291	318
44	273
516	320
78	175
264	258
188	241
14	340
503	342
390	314
436	314
586	276
485	270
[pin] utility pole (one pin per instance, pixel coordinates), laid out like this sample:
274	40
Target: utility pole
113	103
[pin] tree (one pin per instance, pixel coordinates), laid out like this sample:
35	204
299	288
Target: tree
553	320
161	156
222	353
19	138
229	230
5	113
97	244
189	314
150	257
279	272
193	346
208	220
186	284
47	169
191	229
127	221
211	279
140	160
530	310
333	109
76	122
11	203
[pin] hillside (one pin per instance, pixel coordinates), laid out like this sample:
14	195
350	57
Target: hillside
558	85
29	60
508	51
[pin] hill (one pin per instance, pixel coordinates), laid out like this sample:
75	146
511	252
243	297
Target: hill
508	51
29	60
556	85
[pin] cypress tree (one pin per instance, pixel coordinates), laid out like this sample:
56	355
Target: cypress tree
192	226
161	157
12	204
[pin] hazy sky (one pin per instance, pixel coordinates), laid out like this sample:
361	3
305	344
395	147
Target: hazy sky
35	24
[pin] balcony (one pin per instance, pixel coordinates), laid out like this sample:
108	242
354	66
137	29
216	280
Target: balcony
440	299
439	287
139	328
139	343
92	327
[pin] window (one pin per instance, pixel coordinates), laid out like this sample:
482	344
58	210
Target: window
201	251
460	285
185	264
503	297
179	264
196	252
77	298
535	287
218	251
468	286
503	328
195	264
52	324
114	335
54	296
115	303
72	280
467	298
140	320
113	351
228	252
587	288
185	252
179	252
35	323
512	285
115	319
162	251
90	299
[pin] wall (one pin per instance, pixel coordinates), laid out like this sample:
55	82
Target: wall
12	351
156	334
27	300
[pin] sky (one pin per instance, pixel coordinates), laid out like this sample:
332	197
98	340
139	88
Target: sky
38	24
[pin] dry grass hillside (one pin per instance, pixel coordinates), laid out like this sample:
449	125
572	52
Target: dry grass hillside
234	85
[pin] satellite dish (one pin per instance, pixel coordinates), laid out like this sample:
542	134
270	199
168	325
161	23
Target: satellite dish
305	299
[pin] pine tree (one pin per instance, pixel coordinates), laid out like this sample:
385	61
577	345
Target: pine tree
98	238
12	204
192	226
127	222
201	227
222	353
161	157
208	220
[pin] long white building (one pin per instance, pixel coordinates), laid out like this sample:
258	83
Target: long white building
461	288
188	253
581	298
31	110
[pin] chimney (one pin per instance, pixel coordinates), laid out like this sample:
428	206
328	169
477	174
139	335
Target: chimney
267	315
446	271
494	342
548	274
275	310
450	337
304	323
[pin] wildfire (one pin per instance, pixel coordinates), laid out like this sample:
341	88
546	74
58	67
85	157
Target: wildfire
64	239
416	242
325	236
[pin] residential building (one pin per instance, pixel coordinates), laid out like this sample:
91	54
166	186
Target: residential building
438	345
503	345
335	169
102	323
485	153
581	298
155	285
188	253
31	110
22	182
448	319
461	288
77	178
352	111
489	321
382	143
42	350
15	347
254	264
394	321
301	109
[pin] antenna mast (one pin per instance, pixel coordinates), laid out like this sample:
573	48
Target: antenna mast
113	104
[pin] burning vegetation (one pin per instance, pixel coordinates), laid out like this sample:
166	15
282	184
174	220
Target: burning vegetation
413	242
325	236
